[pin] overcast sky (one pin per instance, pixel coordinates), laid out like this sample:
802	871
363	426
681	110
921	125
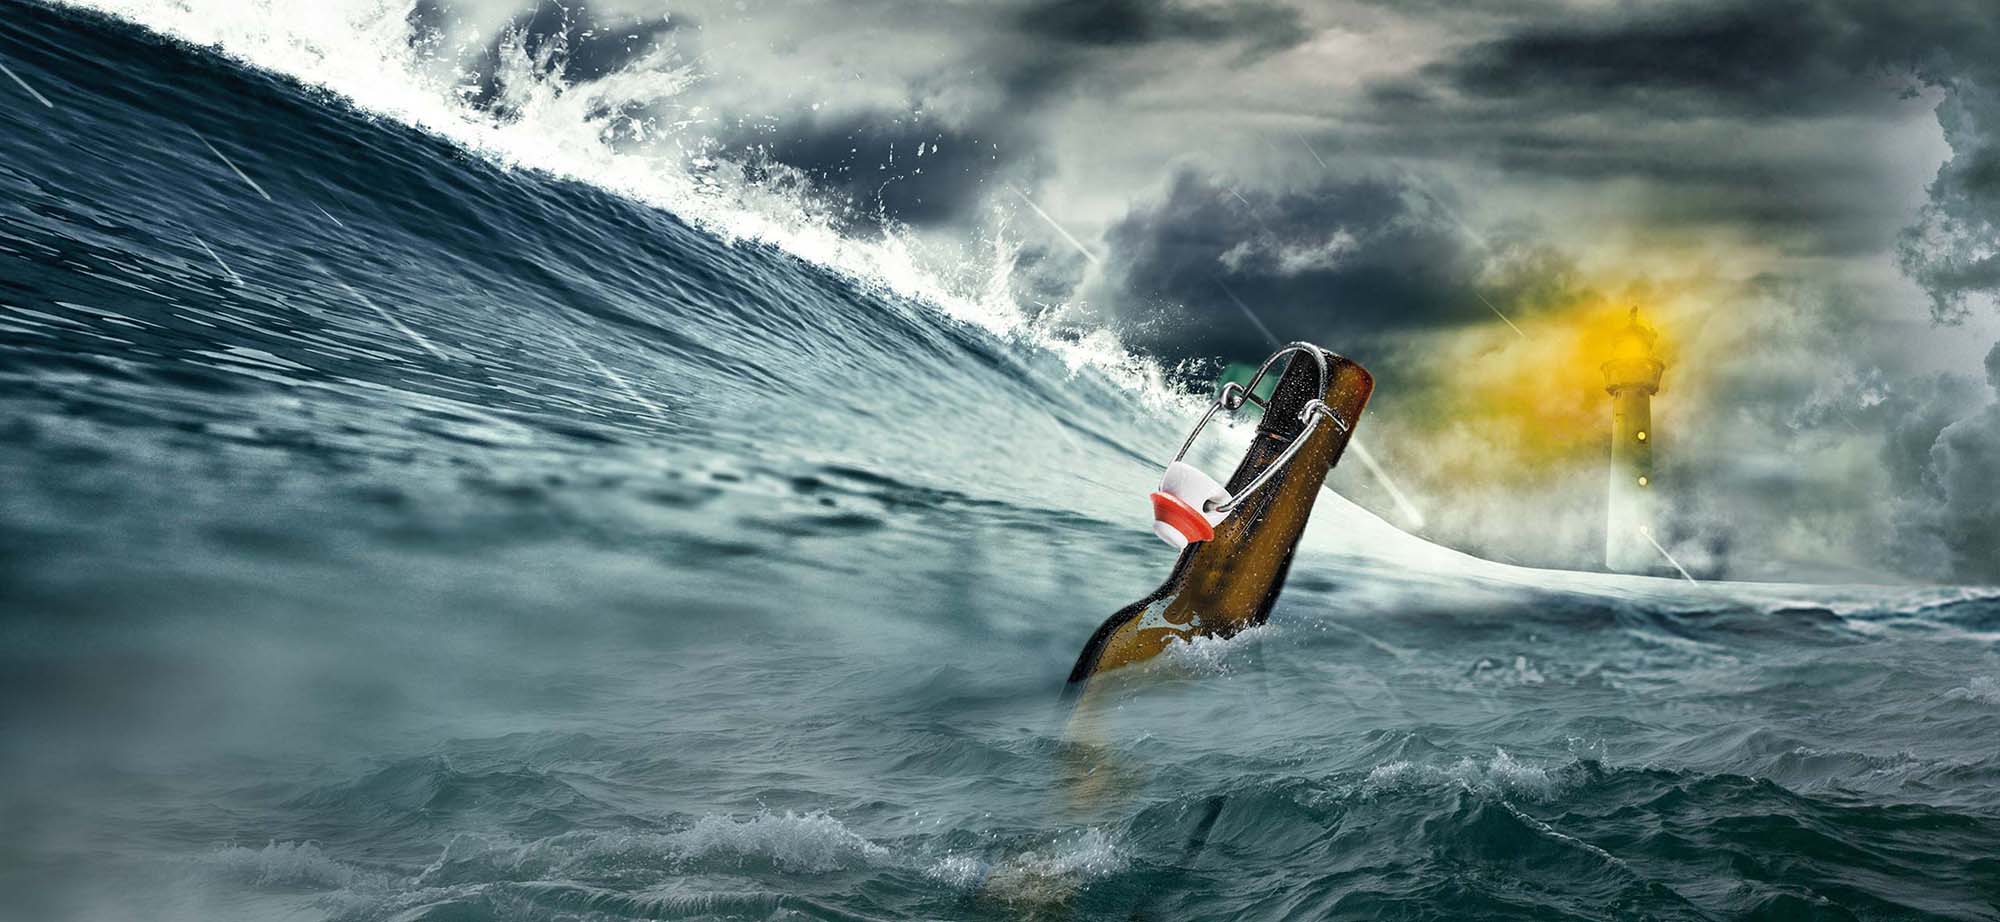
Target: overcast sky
1802	196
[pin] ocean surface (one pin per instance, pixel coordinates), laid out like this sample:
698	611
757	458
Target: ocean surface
415	510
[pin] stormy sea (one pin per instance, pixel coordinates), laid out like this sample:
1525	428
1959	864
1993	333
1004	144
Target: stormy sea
426	507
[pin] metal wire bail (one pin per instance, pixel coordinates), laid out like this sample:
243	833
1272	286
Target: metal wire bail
1232	398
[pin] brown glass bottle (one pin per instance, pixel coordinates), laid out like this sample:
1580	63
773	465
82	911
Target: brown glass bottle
1230	582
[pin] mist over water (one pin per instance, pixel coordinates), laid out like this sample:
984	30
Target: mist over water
407	520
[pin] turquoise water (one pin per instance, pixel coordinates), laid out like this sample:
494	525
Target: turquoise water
392	533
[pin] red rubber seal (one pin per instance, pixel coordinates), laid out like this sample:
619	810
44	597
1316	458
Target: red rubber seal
1182	517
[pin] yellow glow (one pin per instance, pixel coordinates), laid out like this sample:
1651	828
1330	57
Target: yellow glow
1642	435
1494	423
1632	346
1484	422
1537	403
1642	480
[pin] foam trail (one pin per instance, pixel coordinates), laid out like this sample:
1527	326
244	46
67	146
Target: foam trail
414	336
1250	209
617	380
232	166
44	100
1315	154
1474	235
1066	235
1247	312
1409	510
1562	837
218	259
1370	639
324	214
1496	312
1663	553
1063	431
1424	189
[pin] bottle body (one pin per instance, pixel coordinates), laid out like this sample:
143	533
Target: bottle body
1223	585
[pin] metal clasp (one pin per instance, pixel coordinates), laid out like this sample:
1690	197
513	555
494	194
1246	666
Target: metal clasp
1234	396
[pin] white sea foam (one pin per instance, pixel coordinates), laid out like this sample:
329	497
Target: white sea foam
808	843
1516	673
1091	853
1214	656
289	865
1500	776
1054	874
811	842
1982	690
959	871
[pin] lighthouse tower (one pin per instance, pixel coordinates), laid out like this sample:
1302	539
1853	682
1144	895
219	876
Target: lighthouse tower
1632	377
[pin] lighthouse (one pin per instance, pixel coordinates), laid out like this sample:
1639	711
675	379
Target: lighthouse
1632	377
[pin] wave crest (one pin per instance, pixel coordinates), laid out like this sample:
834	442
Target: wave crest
280	865
1500	776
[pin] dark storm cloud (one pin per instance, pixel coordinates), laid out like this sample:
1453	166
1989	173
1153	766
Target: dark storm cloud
1952	249
1031	56
1770	57
1913	415
1048	47
1684	100
1953	252
1910	416
1326	261
909	168
1259	27
1966	462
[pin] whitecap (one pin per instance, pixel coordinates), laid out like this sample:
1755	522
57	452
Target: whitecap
1214	656
1500	776
300	865
812	842
1057	873
1981	690
959	871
